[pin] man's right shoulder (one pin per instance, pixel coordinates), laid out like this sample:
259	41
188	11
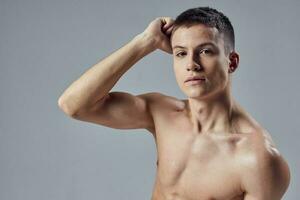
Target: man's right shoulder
161	106
161	102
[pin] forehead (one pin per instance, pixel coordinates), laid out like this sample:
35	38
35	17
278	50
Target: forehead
195	35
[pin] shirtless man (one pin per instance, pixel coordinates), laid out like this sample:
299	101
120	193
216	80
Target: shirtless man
208	146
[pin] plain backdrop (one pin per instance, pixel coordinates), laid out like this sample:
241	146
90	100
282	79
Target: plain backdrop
46	45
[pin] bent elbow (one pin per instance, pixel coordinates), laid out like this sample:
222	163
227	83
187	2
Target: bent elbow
66	108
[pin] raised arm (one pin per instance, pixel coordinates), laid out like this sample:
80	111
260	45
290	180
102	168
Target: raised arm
89	98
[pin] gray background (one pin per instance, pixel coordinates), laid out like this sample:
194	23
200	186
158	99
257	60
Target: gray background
46	45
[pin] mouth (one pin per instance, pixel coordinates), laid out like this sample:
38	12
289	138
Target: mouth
195	79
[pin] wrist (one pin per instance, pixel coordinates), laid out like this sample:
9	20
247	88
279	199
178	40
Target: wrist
146	42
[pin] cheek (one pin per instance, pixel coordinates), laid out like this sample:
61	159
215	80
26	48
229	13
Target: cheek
218	74
221	77
216	64
179	73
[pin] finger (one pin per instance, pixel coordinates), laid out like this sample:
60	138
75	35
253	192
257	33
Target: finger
163	24
166	45
167	26
167	22
168	32
168	19
163	20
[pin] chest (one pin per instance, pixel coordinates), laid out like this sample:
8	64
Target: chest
178	146
201	154
202	166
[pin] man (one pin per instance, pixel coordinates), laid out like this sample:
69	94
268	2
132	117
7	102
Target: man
208	146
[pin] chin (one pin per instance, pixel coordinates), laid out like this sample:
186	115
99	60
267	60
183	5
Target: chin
199	94
196	94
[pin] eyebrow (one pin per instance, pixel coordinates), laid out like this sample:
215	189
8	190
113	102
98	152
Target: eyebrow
200	45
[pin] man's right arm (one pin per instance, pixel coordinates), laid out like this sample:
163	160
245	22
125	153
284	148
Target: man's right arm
89	99
97	81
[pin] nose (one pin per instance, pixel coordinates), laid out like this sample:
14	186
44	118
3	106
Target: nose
192	65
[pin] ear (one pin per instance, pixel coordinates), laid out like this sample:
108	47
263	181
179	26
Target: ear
234	61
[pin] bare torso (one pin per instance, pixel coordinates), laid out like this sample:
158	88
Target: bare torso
197	166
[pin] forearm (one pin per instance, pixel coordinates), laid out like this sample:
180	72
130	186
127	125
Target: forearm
97	81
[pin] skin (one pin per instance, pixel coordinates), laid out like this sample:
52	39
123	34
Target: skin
208	146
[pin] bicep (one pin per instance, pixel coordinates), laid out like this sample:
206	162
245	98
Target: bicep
121	110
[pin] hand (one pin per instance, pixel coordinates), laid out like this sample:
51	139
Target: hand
160	30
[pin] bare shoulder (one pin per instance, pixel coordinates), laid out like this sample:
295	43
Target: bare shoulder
161	106
260	144
162	101
264	172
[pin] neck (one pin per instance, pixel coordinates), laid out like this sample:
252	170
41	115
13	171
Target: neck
212	114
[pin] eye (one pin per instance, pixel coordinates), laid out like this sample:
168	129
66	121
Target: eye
179	54
207	52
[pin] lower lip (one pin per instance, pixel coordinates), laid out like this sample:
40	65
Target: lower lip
194	82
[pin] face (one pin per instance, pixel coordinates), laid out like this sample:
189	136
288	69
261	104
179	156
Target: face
199	51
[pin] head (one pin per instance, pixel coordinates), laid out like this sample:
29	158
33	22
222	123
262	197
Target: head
202	41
